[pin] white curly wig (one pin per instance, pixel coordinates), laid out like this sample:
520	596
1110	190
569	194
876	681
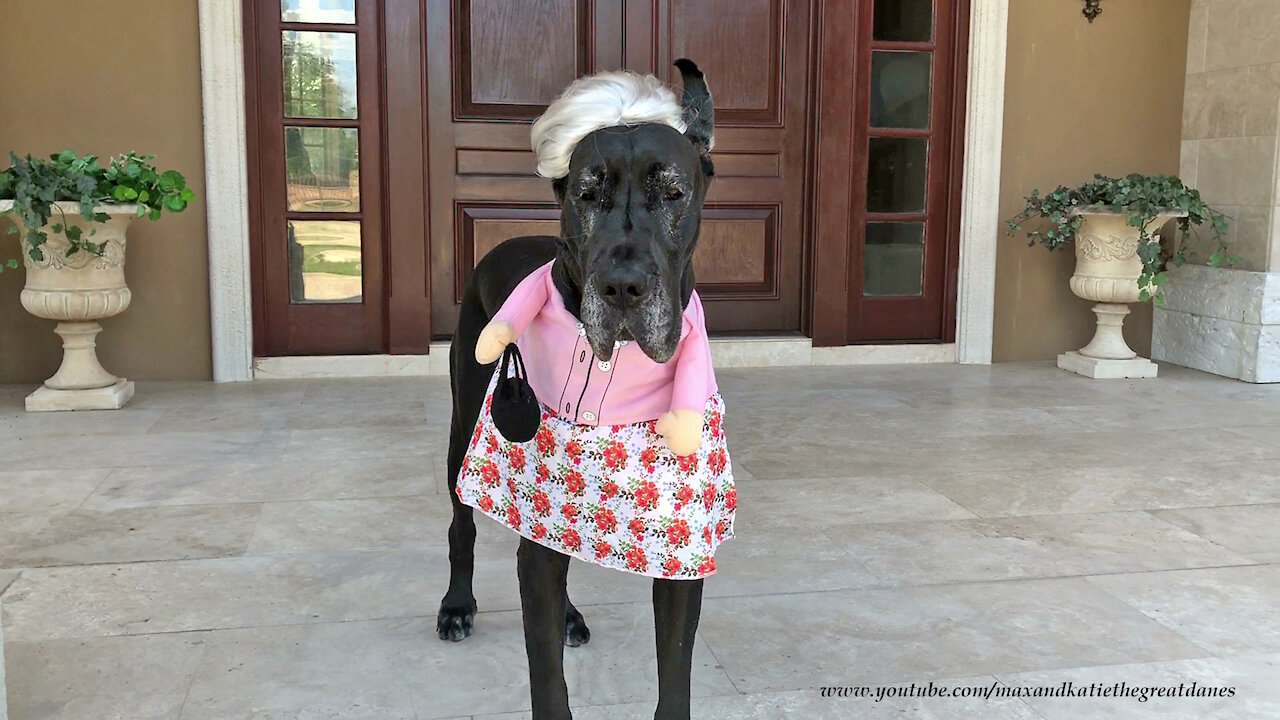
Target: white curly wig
598	101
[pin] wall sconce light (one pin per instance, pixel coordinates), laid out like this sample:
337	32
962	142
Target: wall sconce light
1092	9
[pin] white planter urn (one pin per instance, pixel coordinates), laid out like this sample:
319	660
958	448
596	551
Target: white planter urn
78	291
1107	271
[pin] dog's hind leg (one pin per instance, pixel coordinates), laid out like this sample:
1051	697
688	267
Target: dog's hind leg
543	602
676	607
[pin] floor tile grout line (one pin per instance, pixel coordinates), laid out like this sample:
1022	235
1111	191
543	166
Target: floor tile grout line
747	596
724	669
996	518
1193	533
397	496
1106	591
195	673
96	488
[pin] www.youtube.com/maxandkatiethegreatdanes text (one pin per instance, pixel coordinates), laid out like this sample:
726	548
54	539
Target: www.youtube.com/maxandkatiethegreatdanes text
1066	689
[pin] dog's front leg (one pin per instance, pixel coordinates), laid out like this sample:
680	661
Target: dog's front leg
542	573
676	607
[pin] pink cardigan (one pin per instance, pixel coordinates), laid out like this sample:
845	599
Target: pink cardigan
627	388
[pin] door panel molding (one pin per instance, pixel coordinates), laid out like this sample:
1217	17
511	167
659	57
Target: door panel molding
482	225
519	89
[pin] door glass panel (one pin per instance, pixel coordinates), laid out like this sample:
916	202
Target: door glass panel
894	259
323	169
900	89
325	261
318	11
319	74
897	174
903	20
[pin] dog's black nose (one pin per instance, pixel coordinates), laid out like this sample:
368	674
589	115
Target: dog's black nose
624	286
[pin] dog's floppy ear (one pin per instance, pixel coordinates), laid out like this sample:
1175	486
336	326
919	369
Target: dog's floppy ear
695	105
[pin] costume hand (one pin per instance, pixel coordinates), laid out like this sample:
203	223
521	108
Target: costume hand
495	338
682	429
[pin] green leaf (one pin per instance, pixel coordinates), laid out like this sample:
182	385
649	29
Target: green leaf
173	178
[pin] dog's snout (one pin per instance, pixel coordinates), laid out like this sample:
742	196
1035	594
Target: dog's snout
624	286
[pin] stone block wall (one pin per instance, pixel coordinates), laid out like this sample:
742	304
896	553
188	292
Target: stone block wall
1227	321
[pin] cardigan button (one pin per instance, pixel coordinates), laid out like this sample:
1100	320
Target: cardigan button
604	365
589	416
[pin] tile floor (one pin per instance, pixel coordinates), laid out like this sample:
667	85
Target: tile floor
277	550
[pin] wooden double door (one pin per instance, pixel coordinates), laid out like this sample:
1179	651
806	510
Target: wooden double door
390	150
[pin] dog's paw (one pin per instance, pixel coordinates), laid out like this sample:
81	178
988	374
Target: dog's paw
454	622
494	338
576	631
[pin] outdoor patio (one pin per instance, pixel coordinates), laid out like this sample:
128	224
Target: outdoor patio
277	550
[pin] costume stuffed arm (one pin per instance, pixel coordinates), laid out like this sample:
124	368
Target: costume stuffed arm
694	382
509	323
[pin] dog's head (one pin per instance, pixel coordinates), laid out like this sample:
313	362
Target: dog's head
630	168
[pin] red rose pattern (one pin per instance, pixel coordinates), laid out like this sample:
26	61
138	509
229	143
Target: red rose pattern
575	483
615	496
603	549
515	456
608	489
542	503
615	455
636	559
606	521
646	494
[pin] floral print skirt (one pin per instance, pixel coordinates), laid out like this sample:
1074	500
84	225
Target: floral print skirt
611	495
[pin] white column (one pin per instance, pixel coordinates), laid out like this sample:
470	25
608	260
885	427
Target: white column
226	188
980	195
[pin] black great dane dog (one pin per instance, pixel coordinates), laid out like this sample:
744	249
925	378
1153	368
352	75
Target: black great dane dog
631	206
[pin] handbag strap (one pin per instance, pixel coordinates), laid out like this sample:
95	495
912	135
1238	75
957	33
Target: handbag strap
511	357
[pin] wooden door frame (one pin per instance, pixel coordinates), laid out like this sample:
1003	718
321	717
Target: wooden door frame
228	192
844	100
974	186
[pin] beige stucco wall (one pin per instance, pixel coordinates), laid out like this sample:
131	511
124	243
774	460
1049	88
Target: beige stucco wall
1080	98
108	77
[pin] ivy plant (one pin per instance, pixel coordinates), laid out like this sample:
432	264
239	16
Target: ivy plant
1142	198
36	184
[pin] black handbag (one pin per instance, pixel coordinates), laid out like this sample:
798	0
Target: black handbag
515	409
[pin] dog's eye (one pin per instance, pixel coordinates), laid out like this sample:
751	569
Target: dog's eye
587	195
674	194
